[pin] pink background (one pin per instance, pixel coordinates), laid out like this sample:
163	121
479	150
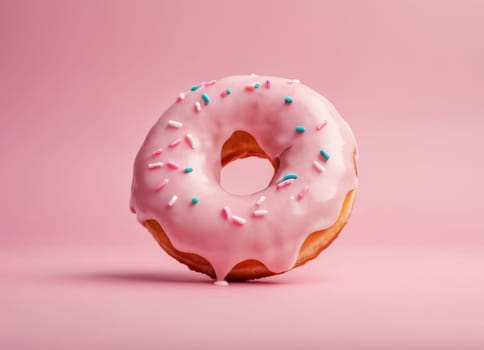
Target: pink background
81	83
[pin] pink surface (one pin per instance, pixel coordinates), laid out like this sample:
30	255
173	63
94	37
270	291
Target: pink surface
81	83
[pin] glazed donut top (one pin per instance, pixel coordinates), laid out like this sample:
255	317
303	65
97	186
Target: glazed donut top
177	171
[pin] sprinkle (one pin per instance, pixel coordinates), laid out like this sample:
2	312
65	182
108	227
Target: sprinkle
302	193
293	81
321	125
249	87
318	166
287	177
300	129
195	87
292	198
260	200
225	92
227	213
191	141
195	200
284	184
324	154
175	124
198	106
238	220
257	85
175	143
162	185
268	84
206	99
211	82
173	200
288	100
188	170
173	165
180	97
157	152
260	212
155	165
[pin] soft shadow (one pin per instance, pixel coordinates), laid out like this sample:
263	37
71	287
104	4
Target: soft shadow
119	277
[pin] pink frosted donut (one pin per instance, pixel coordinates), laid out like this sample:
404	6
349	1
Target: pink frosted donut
176	191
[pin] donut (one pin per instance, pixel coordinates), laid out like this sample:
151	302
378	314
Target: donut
176	192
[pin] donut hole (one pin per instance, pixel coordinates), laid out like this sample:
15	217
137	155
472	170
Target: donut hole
246	168
246	176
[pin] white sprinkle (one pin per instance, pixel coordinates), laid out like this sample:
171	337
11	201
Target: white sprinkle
155	165
175	124
175	143
238	220
253	74
321	125
227	213
191	141
284	184
260	212
180	97
318	166
198	106
211	82
173	200
292	197
293	81
173	165
260	200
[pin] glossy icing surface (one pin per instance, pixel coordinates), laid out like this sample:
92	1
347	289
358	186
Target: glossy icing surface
177	171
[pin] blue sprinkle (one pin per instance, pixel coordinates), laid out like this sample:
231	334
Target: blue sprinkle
195	87
195	200
228	91
288	99
289	176
324	154
257	85
188	170
205	99
300	128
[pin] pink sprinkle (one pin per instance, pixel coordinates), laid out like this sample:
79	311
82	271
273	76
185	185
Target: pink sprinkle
321	125
175	143
157	152
238	220
173	165
302	193
180	97
223	93
250	87
284	184
227	213
211	82
198	106
162	185
268	84
155	165
191	141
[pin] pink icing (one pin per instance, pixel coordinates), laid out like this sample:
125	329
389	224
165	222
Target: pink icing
275	234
